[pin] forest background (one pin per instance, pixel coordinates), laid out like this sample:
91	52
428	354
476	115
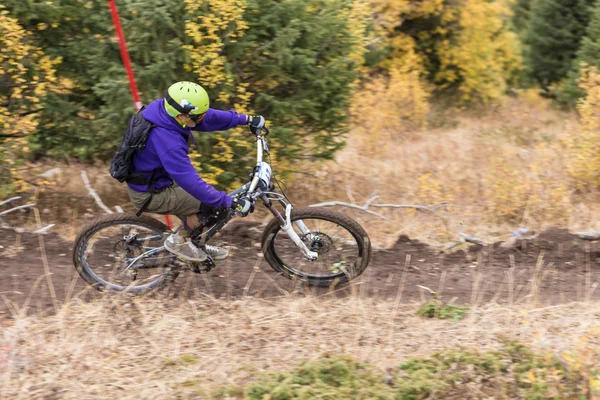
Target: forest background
490	107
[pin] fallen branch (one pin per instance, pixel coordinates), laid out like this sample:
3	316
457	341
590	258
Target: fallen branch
355	206
426	288
93	193
594	235
368	203
464	238
9	200
45	229
471	239
349	194
15	209
453	245
371	200
417	207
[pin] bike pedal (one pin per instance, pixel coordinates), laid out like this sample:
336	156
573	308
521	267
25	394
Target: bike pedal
208	265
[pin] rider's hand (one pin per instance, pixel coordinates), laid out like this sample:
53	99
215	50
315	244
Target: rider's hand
242	206
256	122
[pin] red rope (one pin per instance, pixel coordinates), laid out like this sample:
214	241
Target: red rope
125	56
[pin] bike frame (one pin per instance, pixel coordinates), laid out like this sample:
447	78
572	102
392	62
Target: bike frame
255	191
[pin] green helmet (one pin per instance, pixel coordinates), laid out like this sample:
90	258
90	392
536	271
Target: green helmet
186	98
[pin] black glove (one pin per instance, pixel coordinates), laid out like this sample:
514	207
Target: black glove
256	122
242	206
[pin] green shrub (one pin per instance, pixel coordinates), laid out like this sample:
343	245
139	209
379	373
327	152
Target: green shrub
438	309
327	378
514	371
511	372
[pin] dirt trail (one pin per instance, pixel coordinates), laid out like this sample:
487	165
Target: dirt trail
553	268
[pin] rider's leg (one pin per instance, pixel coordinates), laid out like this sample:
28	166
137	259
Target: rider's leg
216	253
172	200
176	201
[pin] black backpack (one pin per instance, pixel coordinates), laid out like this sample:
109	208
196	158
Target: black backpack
134	139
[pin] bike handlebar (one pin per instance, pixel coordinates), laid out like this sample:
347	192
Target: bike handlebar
261	144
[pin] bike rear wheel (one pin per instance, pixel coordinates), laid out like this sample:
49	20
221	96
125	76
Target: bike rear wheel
123	252
343	247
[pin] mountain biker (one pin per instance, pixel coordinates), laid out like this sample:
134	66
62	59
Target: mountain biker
176	188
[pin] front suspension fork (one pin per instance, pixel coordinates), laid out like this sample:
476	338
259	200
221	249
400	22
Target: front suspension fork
286	225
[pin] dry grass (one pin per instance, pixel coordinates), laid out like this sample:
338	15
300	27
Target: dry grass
151	348
500	169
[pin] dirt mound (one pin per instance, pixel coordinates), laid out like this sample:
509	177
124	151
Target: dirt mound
551	268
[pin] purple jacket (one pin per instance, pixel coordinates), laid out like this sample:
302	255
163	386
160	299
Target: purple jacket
167	149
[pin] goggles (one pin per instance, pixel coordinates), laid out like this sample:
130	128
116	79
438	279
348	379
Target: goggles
196	117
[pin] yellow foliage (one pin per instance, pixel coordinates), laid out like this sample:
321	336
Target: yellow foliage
585	359
513	189
583	145
532	97
210	173
357	24
216	23
390	14
483	53
589	107
477	52
431	190
394	104
507	188
28	75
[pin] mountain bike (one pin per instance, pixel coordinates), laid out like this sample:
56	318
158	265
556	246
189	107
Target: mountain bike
316	246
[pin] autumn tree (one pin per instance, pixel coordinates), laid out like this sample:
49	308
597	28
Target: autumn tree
465	47
481	56
583	144
27	77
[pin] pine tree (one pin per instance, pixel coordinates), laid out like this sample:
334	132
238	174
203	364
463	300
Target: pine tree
294	61
520	24
522	15
553	37
588	54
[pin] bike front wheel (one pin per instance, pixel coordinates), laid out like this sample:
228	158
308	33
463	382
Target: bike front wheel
123	252
342	245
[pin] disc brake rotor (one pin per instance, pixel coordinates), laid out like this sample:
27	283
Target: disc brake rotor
318	242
